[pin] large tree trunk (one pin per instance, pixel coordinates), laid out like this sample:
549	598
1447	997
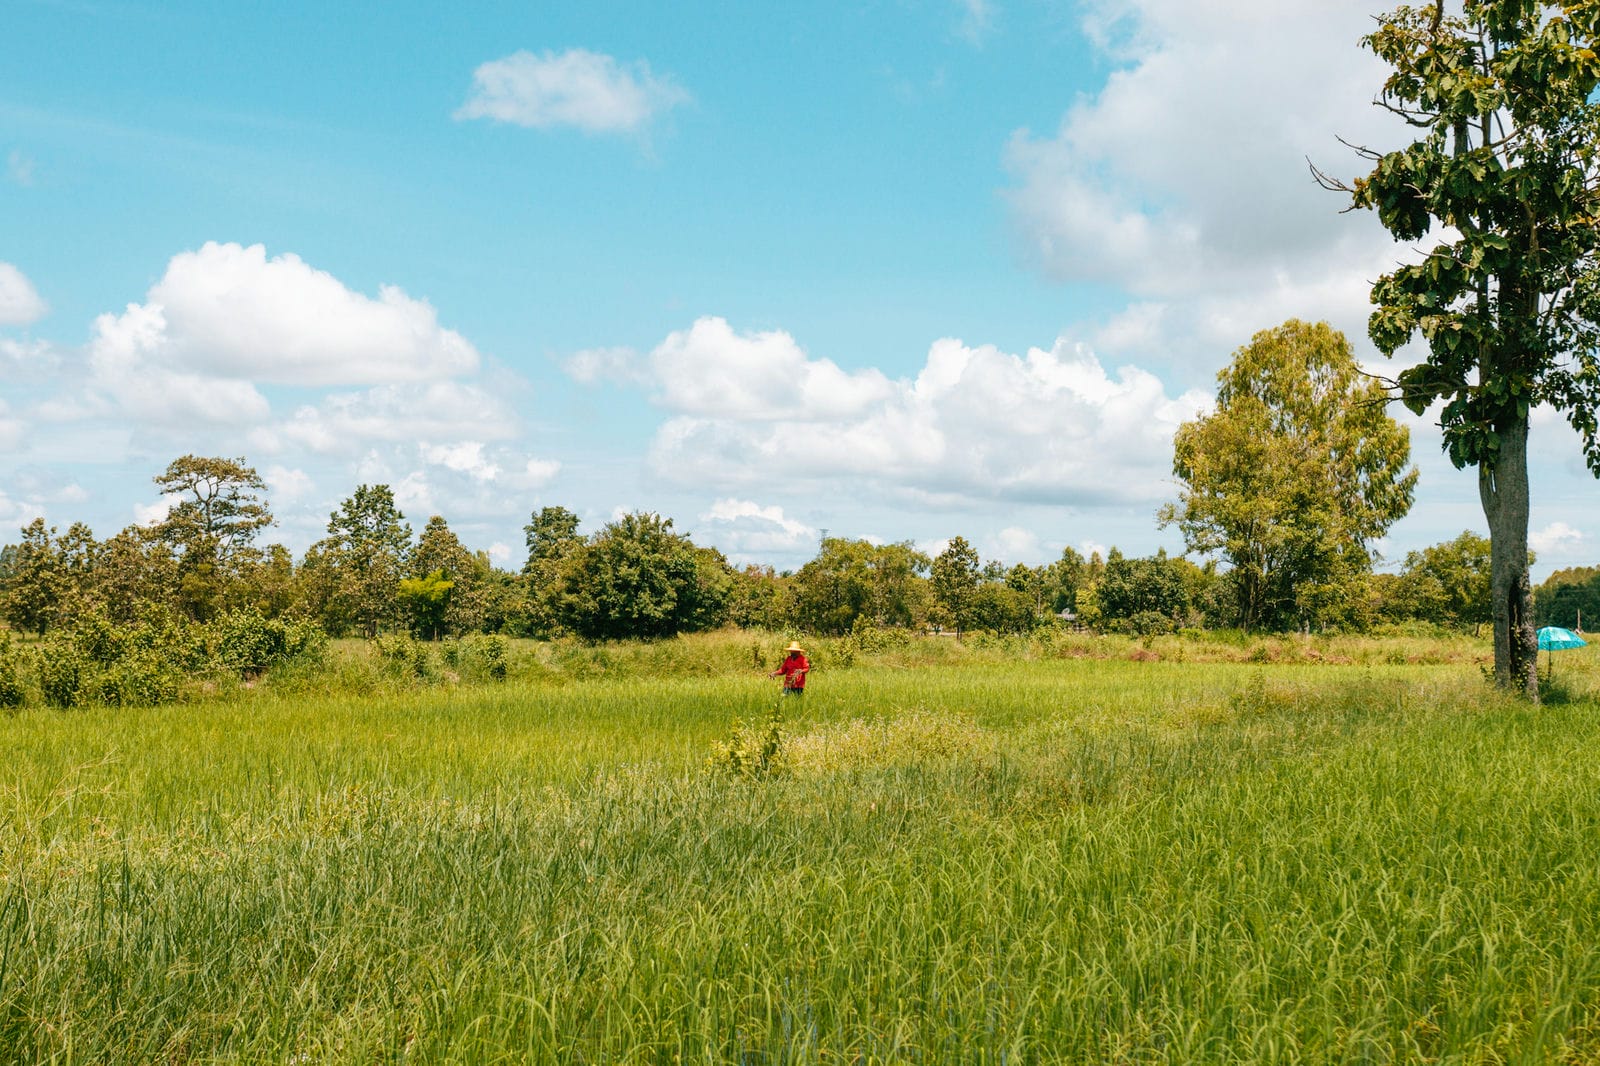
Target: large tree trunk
1503	487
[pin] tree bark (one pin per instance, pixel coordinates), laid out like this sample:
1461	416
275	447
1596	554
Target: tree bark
1503	488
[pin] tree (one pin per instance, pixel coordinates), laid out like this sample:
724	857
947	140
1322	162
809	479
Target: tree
217	514
1294	474
552	532
355	571
1505	178
851	579
1448	583
955	581
1144	595
552	537
1568	596
136	571
426	598
221	506
463	608
36	581
636	578
761	598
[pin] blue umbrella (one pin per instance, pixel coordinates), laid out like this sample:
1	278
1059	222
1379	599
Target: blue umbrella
1554	638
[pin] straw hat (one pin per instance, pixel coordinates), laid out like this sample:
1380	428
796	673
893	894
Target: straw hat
794	645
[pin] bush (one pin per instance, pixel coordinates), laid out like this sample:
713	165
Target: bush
61	669
245	641
489	655
138	680
403	657
11	690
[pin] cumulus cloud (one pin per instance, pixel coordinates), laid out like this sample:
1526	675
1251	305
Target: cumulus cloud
18	512
350	422
1177	184
230	311
1015	545
710	371
1557	538
587	90
975	423
20	302
226	318
286	485
746	530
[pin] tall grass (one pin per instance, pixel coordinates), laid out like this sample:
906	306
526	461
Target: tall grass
1050	860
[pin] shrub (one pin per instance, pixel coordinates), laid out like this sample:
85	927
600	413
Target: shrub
402	656
245	641
750	752
137	680
11	690
489	654
61	669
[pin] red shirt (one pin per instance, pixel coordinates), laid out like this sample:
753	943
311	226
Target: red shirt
793	668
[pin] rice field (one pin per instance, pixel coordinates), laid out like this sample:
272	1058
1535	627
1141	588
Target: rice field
1045	859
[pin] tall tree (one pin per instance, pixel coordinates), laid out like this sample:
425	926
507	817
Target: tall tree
37	586
1504	178
219	511
439	549
955	581
1294	474
364	554
552	537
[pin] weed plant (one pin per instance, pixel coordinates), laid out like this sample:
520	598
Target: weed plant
964	858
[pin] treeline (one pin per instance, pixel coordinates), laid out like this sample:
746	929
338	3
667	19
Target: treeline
637	577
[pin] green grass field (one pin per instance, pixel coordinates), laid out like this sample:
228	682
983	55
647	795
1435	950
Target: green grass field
1074	857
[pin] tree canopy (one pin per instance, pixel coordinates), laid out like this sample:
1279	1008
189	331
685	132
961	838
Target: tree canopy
1293	475
1503	183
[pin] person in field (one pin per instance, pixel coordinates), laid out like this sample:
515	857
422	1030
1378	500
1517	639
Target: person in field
794	668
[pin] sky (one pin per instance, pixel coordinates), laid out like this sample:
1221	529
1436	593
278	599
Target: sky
894	269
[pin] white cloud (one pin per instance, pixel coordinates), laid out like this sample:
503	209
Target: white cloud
1014	545
975	423
347	423
536	473
28	355
499	553
588	90
748	531
288	486
595	365
1557	538
230	311
1176	183
708	370
20	302
152	513
464	457
225	318
17	513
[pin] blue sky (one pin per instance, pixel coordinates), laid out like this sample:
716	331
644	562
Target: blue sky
903	269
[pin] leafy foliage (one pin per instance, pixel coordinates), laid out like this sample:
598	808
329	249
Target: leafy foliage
1294	474
1506	170
636	578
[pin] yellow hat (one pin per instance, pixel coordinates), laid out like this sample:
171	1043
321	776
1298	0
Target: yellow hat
794	645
